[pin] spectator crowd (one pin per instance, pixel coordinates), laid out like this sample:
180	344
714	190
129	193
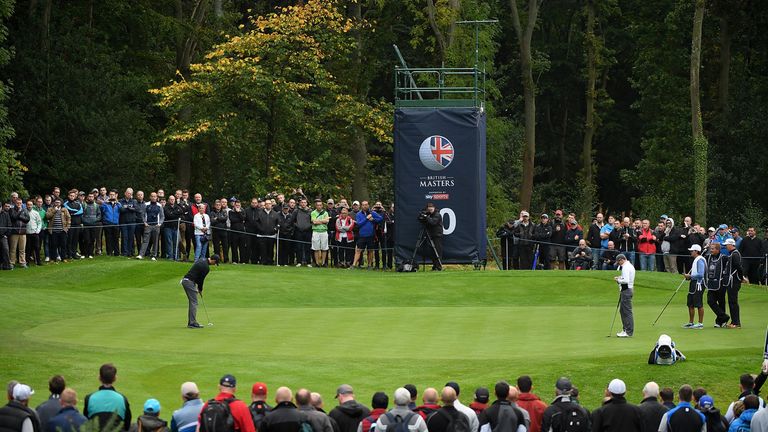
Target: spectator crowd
561	242
269	230
516	408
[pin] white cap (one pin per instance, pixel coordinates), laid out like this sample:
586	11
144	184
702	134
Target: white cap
730	241
189	388
617	387
22	392
355	202
524	213
695	247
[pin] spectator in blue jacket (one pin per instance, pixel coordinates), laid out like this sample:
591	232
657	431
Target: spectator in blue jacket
69	418
110	218
366	221
185	418
721	236
751	405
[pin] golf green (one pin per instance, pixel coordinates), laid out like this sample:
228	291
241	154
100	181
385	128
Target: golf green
318	328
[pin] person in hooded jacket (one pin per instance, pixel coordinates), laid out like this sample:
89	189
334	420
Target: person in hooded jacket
714	419
349	413
751	405
150	421
542	234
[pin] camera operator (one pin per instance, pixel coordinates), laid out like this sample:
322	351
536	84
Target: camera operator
433	222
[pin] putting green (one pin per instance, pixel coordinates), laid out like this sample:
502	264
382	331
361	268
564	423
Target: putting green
318	328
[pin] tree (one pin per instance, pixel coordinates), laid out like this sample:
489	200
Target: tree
524	36
273	95
697	129
11	170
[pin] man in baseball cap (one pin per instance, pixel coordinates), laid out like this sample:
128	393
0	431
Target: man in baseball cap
239	410
564	403
193	285
259	406
185	419
616	414
349	413
17	414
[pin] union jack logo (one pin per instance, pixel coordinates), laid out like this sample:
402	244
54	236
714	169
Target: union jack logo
441	149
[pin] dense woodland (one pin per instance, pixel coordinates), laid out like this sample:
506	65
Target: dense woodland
648	106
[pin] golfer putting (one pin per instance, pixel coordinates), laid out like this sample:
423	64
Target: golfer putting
193	285
626	289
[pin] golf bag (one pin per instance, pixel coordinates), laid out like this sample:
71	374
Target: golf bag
665	353
407	266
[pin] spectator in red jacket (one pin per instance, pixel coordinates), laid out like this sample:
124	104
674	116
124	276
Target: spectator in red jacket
530	402
482	395
646	245
430	403
240	412
379	403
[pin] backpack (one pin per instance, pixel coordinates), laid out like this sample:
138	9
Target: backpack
572	419
217	417
372	421
507	420
259	410
398	423
457	423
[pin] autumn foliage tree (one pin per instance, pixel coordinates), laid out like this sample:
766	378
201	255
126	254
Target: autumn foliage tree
272	99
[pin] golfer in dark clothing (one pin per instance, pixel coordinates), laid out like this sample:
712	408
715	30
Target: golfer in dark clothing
193	284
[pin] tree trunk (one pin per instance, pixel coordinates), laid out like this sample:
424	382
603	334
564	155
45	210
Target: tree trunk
360	162
697	130
529	94
432	16
590	126
185	51
359	150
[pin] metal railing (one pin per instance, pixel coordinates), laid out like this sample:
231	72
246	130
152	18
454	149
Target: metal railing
439	87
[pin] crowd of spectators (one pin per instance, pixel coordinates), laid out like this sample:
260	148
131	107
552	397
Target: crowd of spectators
270	230
515	409
561	242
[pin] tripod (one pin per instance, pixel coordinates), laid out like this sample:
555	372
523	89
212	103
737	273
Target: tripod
423	238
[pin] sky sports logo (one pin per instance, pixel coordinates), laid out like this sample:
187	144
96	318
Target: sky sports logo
437	197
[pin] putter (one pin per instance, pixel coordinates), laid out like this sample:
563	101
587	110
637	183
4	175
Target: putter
610	332
210	324
668	302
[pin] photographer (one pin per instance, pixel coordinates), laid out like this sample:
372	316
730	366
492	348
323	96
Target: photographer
433	221
506	237
524	233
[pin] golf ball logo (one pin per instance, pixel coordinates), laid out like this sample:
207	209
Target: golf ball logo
436	153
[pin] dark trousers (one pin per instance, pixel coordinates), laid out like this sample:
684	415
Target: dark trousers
73	238
733	300
285	251
346	252
267	250
388	252
138	236
333	253
303	240
683	264
526	257
254	252
220	243
45	241
126	238
190	289
5	254
237	243
33	249
437	260
170	242
716	302
58	245
752	269
110	233
189	239
89	239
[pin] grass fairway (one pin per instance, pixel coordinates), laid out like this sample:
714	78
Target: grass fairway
319	328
